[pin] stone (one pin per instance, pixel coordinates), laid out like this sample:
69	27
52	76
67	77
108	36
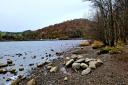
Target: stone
3	65
53	69
74	56
68	63
65	78
13	71
50	64
9	61
76	66
40	65
31	82
89	59
67	58
83	65
96	63
3	71
21	69
8	79
49	67
80	60
86	71
16	82
99	63
80	56
92	64
31	64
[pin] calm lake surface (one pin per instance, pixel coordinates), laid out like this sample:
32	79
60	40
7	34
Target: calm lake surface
25	53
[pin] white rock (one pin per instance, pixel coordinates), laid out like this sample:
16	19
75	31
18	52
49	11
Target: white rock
86	71
53	69
99	63
65	78
76	66
92	64
31	82
80	60
67	58
74	56
69	62
80	56
49	67
89	59
83	65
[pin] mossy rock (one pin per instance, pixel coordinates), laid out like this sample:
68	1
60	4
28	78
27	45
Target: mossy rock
3	71
3	65
13	71
21	69
9	61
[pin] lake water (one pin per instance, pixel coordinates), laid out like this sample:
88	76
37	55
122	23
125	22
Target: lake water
25	53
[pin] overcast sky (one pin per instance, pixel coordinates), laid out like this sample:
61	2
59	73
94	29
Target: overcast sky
20	15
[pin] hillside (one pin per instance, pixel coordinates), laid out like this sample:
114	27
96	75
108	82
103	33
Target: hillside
77	28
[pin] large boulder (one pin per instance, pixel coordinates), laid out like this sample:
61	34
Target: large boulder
92	64
74	56
68	63
86	71
83	65
89	59
80	60
76	66
96	63
99	63
80	56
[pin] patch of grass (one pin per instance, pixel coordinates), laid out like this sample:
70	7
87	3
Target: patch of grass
115	50
105	50
111	50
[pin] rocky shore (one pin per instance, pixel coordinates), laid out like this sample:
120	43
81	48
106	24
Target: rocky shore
82	66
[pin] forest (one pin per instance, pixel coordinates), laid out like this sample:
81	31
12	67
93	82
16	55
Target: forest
111	20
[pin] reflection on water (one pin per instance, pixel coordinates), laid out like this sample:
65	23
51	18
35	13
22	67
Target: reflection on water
28	54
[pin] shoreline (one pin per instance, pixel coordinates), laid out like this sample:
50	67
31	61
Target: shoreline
110	72
40	40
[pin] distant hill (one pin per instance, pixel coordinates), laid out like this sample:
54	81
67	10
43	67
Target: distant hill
77	28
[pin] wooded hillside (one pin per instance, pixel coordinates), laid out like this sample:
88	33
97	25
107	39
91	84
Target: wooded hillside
78	28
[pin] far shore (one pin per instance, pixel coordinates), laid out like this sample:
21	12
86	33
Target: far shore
42	40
